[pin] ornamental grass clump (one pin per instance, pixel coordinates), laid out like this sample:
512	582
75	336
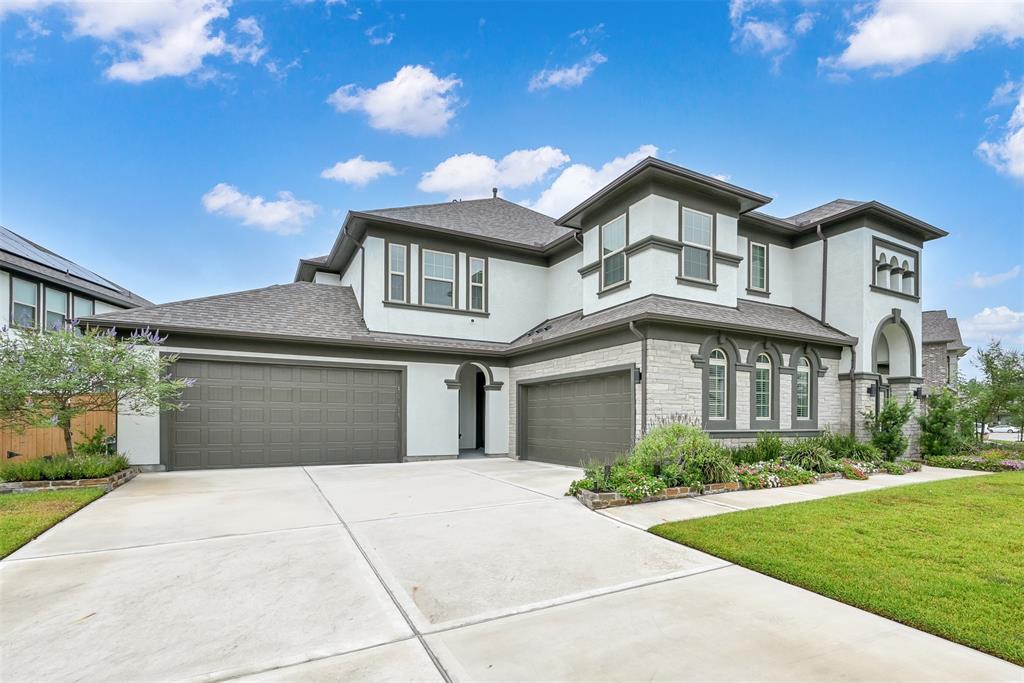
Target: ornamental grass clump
64	467
808	455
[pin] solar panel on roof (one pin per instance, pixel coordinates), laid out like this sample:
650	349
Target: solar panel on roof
19	246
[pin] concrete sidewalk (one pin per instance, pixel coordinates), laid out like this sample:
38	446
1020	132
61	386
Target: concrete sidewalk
456	570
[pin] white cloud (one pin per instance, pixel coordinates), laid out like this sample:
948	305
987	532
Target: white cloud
579	181
155	39
767	35
897	35
998	322
416	102
568	76
1006	152
278	71
981	281
585	35
358	171
378	38
724	177
34	28
473	175
804	23
286	216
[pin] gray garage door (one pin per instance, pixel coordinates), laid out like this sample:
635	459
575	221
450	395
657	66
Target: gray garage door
572	420
258	415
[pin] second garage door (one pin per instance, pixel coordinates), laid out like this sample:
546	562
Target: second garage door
242	414
568	421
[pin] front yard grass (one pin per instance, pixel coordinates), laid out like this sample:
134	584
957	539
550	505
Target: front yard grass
943	557
23	516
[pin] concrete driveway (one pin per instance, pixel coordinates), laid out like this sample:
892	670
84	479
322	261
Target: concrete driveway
465	570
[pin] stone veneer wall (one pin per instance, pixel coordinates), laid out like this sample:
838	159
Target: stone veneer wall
586	361
912	430
934	365
673	382
863	403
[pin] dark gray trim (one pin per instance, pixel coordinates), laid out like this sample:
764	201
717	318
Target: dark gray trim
606	370
775	356
681	276
700	360
607	339
896	318
757	292
403	388
915	254
469	283
387	270
693	282
905	380
892	292
824	274
817	370
763	291
455	282
448	242
613	288
641	334
654	242
752	433
590	268
39	285
27	269
601	288
728	259
490	385
436	309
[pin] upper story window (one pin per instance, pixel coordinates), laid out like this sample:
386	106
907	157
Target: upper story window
24	303
82	307
56	308
398	272
803	390
477	284
438	278
759	266
718	370
763	387
613	255
895	268
698	234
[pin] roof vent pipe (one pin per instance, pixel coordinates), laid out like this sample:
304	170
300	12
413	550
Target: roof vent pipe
494	191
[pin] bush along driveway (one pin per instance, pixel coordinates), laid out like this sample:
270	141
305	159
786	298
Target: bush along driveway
943	557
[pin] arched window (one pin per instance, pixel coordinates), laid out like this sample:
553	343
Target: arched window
718	371
908	278
882	271
763	387
803	390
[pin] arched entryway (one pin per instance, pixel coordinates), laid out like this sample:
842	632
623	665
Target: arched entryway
893	351
473	380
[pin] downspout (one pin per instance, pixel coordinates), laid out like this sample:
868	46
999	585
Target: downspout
643	376
853	391
824	270
362	280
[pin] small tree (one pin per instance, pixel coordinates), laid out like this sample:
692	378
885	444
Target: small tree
886	427
50	377
940	425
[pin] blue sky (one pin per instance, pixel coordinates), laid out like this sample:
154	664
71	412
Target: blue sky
181	148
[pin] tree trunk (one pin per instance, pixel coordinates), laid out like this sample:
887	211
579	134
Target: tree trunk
68	441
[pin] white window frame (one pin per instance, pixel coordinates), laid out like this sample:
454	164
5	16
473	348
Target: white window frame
750	274
424	277
803	369
404	298
604	257
718	359
709	248
760	365
482	286
46	306
35	303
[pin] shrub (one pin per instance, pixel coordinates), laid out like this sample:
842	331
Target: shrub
745	455
809	455
663	445
710	465
769	445
855	470
846	446
675	474
985	464
899	466
63	467
940	425
95	444
635	485
772	474
886	427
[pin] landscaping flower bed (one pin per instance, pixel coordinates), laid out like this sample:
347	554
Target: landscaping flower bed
64	472
988	461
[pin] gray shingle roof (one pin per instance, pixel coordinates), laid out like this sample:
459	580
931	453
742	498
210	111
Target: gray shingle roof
937	328
747	315
493	218
305	311
820	213
19	253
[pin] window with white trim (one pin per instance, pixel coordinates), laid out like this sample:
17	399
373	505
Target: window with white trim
698	229
803	390
763	387
477	284
718	371
82	307
56	308
24	303
759	266
398	270
613	254
438	278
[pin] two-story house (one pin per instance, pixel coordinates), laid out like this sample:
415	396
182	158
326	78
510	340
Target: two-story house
40	288
482	325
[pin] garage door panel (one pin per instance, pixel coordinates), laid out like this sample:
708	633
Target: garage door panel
584	418
249	414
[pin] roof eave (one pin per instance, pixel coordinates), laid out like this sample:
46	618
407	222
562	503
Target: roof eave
927	231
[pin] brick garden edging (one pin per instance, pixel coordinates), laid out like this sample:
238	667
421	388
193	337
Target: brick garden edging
610	499
108	484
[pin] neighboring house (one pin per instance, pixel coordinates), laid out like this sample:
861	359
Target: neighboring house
481	324
943	349
40	288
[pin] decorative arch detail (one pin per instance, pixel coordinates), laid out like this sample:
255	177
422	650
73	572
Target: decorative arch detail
489	382
817	369
775	356
700	360
894	318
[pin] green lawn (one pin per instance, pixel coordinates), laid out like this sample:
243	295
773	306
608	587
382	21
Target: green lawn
945	557
23	516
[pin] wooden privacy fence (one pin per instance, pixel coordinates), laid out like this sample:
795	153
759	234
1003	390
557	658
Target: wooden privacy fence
37	442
